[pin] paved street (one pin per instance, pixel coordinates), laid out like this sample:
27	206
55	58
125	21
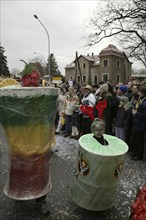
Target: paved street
61	205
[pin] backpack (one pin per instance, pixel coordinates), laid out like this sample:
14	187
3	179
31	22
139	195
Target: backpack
99	108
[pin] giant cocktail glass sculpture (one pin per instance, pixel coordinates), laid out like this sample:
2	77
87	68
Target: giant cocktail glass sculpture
27	116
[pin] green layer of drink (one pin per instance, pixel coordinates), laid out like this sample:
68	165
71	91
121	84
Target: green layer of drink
27	106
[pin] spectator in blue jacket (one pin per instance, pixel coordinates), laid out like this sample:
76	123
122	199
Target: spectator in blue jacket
139	125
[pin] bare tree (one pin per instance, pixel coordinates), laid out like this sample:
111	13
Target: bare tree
38	59
125	21
15	71
40	64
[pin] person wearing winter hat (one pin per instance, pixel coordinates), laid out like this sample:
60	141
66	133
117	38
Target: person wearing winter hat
123	90
105	103
120	84
104	87
88	87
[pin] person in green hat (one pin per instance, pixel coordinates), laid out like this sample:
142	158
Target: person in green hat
30	75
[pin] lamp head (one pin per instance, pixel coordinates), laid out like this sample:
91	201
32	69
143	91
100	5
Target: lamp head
36	16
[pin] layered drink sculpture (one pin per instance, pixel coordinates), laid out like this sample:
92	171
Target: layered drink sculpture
27	116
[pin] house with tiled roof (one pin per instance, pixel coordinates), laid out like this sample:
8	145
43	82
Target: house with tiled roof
110	65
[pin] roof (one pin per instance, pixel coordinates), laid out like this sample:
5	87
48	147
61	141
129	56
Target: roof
138	75
111	50
71	65
93	58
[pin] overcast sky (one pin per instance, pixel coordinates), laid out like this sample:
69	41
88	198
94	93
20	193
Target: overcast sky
22	34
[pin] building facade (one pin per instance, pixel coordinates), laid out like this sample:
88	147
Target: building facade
110	65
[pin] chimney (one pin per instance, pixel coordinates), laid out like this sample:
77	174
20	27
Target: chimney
92	54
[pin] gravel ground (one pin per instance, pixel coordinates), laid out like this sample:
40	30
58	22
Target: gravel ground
61	205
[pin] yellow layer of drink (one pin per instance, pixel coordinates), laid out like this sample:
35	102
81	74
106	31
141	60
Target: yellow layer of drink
30	139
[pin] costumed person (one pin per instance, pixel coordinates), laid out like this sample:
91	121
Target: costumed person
30	78
28	119
98	129
88	103
98	169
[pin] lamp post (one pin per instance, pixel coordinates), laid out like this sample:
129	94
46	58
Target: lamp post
36	17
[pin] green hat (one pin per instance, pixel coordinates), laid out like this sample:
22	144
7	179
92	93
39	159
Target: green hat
29	68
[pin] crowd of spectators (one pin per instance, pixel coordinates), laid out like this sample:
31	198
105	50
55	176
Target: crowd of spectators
121	107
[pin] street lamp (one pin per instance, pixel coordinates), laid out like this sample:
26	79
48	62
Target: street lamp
35	16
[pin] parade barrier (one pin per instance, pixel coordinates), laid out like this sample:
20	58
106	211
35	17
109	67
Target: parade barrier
27	117
97	173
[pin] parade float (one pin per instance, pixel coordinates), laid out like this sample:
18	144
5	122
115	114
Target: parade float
98	170
27	117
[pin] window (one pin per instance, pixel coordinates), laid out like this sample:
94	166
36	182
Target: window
105	77
105	63
78	78
95	80
118	63
84	65
118	77
84	78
